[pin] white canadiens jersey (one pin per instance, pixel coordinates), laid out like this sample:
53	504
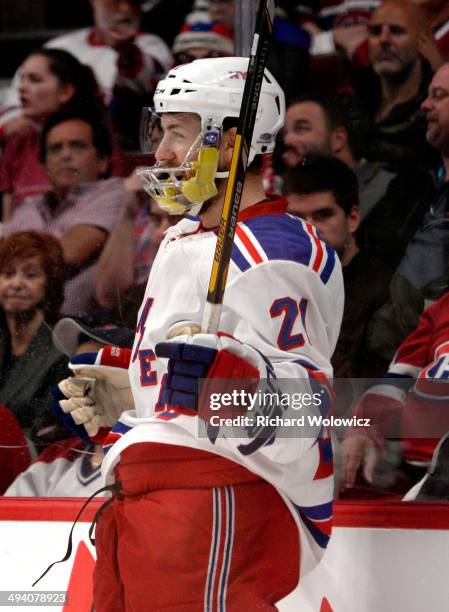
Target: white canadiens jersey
64	469
284	296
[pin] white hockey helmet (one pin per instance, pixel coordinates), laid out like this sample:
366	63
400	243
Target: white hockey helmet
211	88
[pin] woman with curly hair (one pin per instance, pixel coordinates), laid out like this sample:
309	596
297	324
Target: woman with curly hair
31	293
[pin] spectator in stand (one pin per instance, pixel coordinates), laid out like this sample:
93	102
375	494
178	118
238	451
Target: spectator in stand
31	293
410	401
71	468
126	259
82	208
423	273
324	192
393	88
325	125
126	62
343	26
50	80
200	40
392	204
223	11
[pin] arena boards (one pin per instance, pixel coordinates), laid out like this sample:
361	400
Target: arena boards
382	556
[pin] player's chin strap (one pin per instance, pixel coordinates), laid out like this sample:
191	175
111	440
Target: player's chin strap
113	488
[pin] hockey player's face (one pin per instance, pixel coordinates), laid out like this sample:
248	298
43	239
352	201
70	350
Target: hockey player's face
179	137
331	221
305	133
22	286
71	157
436	107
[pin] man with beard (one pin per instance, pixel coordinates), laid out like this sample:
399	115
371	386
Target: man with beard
395	85
392	204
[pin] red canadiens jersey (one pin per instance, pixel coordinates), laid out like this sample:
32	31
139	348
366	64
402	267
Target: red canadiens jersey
284	297
416	386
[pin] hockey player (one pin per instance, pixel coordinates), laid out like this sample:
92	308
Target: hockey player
411	401
208	520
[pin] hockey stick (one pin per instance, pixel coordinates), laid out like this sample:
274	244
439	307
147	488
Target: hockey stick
234	188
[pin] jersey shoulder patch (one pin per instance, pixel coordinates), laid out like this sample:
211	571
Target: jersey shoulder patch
281	237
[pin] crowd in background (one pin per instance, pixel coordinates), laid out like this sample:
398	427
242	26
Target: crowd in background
363	156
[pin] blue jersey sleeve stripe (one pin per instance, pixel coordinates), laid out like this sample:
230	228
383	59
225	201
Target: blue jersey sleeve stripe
238	258
325	446
330	264
306	364
309	514
321	512
120	428
321	538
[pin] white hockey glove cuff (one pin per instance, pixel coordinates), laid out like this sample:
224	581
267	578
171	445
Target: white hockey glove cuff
99	392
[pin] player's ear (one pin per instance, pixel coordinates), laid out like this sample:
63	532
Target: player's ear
227	147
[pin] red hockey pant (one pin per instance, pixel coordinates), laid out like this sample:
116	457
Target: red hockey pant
190	533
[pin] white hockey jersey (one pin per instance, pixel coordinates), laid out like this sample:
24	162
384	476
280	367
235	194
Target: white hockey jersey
64	469
284	296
